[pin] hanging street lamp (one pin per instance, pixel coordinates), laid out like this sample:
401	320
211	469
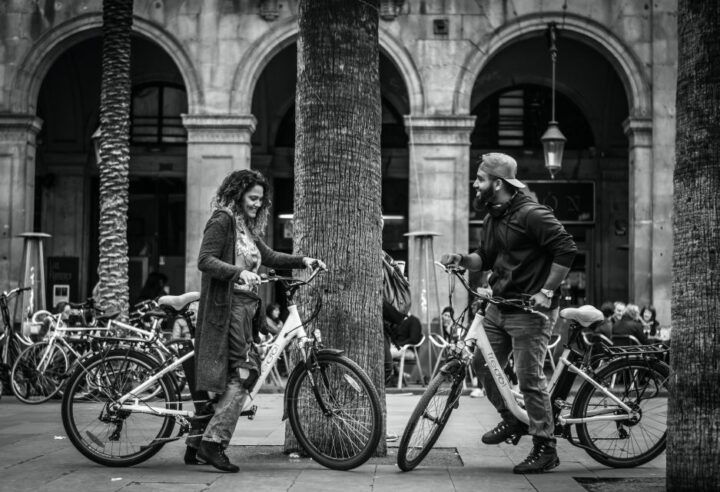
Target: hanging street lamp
553	140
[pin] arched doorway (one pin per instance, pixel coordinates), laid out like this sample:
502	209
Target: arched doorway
511	99
66	192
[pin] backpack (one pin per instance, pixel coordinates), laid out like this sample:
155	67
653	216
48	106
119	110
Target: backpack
396	289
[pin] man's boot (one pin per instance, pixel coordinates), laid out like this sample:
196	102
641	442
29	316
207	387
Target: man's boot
214	454
505	431
542	458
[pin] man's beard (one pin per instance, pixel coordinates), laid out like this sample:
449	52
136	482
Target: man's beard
486	199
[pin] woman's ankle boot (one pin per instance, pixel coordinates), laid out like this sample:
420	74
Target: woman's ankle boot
213	454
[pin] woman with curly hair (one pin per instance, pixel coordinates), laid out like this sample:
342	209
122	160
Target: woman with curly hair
230	315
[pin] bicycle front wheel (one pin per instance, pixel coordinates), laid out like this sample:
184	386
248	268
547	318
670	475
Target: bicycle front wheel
39	372
334	411
103	431
637	439
428	419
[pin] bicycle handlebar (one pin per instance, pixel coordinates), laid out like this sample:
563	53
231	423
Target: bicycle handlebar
293	281
519	304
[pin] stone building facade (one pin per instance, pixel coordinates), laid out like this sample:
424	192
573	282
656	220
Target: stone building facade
213	90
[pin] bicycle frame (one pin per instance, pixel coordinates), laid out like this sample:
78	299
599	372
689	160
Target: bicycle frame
292	328
511	398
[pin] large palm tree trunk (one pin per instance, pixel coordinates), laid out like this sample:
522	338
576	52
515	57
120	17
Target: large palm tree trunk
115	154
693	451
337	171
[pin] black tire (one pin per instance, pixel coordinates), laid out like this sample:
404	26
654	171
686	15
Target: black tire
632	442
33	384
116	438
428	419
355	412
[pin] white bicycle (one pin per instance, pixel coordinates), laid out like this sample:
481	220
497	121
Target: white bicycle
619	412
331	403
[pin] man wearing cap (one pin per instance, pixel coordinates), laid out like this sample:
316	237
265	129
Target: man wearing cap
529	253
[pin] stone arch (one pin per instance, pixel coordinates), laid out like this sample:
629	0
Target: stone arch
32	69
629	68
266	47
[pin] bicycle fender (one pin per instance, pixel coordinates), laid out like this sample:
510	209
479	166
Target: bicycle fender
331	351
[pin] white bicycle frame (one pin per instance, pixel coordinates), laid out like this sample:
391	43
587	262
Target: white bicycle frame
513	398
292	328
56	335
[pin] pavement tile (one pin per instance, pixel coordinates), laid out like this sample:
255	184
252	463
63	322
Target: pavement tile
32	459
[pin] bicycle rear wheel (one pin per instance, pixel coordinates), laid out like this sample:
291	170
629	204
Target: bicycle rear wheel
39	372
99	429
428	419
346	433
641	437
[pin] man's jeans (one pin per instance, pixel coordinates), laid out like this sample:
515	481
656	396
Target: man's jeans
527	336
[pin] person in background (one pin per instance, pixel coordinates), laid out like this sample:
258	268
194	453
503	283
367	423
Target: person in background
647	318
156	285
272	319
446	321
608	309
618	311
630	324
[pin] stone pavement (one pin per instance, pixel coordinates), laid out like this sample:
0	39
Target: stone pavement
35	455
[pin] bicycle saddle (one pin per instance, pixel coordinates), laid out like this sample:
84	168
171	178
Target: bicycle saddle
585	315
179	302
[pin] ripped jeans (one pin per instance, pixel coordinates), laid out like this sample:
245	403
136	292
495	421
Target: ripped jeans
526	335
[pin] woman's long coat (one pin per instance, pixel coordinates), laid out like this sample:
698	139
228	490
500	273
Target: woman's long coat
216	261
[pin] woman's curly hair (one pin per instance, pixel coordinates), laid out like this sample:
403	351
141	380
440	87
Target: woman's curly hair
231	192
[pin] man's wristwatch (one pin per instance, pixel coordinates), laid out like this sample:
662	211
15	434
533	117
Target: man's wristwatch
549	293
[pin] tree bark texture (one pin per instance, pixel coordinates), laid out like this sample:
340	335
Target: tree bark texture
337	214
115	154
693	450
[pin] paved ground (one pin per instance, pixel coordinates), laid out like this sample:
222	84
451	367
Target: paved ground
35	455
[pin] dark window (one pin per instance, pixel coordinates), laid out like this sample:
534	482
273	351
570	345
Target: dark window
156	110
518	117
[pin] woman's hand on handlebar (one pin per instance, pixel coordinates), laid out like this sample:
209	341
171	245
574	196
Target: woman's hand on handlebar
314	263
249	278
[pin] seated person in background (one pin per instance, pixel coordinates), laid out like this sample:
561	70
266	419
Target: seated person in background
618	310
629	324
399	330
608	309
156	285
446	321
272	319
647	318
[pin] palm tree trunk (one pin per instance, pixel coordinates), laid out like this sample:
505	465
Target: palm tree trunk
693	451
337	172
115	154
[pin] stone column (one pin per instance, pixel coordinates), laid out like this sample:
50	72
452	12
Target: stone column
17	190
217	144
639	133
439	188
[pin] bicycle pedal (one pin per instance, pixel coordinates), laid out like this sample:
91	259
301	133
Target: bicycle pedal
249	413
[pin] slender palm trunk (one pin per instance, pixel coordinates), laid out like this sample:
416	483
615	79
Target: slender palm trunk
337	171
693	451
115	154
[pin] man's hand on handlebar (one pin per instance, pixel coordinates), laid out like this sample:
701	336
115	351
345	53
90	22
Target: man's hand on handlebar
314	263
539	300
451	259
